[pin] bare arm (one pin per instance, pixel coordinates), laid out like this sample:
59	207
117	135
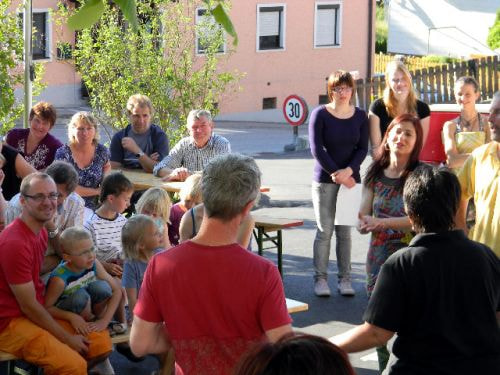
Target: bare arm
147	338
116	165
460	217
275	334
454	158
426	124
26	297
362	337
23	168
83	191
375	134
365	208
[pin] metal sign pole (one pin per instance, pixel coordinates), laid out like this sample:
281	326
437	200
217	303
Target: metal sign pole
28	56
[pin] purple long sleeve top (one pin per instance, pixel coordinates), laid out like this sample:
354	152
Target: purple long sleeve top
337	143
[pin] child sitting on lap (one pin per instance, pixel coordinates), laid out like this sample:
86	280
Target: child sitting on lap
156	203
190	196
80	290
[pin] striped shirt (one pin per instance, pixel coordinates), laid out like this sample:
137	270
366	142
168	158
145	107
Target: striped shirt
186	154
107	236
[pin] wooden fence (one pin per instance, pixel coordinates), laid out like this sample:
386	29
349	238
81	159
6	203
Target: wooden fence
411	62
435	84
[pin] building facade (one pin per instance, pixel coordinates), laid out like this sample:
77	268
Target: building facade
285	47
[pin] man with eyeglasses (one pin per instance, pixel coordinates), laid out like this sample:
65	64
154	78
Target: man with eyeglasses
192	154
27	330
69	211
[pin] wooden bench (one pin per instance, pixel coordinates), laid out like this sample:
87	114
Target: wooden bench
265	226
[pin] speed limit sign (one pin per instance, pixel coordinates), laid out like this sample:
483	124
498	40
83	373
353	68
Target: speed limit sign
295	110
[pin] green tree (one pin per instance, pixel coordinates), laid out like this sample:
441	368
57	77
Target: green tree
493	39
158	60
11	67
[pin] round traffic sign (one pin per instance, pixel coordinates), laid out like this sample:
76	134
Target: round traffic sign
295	110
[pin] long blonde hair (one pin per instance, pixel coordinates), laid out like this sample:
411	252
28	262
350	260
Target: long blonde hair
155	200
133	233
390	101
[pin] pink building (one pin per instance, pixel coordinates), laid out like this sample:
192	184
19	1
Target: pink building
285	47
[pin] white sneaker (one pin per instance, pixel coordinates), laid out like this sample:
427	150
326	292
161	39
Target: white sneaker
321	288
103	368
345	287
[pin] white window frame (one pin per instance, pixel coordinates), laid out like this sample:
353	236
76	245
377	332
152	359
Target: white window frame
282	31
339	26
197	50
48	33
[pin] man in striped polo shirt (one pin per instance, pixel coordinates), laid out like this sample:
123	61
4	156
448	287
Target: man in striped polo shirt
192	153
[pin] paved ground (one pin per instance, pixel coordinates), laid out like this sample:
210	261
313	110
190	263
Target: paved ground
289	177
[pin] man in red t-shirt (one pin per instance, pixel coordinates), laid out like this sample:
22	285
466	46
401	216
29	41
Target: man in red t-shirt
27	330
212	298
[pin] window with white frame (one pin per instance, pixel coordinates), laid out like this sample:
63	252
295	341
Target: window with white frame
208	30
270	27
327	24
41	40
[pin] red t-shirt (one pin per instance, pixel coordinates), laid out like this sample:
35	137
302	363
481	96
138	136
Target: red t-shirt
216	302
21	257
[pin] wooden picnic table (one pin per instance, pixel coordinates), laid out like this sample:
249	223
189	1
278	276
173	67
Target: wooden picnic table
143	180
264	226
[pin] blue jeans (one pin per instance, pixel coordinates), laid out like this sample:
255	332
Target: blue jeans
97	291
324	198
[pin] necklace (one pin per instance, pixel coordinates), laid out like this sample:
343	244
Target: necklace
468	123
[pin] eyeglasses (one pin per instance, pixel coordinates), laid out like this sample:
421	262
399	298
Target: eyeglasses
398	80
86	252
39	198
339	89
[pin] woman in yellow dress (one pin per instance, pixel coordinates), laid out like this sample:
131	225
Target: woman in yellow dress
469	130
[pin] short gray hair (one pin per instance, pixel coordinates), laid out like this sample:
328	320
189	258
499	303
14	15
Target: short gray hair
63	173
196	114
229	182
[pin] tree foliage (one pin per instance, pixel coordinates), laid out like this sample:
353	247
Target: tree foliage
12	67
493	39
158	60
92	10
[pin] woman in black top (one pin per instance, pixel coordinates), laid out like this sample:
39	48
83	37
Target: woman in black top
399	98
15	169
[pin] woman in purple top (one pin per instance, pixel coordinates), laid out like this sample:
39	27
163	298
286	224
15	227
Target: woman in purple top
338	134
36	144
90	158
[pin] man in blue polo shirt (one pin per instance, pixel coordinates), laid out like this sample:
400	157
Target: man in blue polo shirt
140	144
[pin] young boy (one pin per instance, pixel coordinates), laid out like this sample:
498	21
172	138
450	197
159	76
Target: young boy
105	224
80	291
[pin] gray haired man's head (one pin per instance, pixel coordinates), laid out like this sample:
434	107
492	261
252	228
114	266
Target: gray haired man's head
229	183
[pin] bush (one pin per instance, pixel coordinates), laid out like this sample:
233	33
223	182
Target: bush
493	39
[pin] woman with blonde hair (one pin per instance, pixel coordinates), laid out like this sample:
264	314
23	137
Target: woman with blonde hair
399	98
87	155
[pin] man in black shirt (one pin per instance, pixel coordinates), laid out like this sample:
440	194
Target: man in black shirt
441	295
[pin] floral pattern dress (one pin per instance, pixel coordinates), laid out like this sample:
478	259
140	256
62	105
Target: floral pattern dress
387	202
91	176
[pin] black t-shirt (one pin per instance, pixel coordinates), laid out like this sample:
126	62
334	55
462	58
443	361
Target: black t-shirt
378	108
11	182
440	295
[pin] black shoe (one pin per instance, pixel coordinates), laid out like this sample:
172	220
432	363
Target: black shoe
24	368
126	352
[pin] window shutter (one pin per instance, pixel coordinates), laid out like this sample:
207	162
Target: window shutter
326	25
269	23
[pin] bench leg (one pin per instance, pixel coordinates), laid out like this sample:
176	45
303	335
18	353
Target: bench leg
280	253
260	240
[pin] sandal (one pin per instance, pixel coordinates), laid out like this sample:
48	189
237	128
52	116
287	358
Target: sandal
117	328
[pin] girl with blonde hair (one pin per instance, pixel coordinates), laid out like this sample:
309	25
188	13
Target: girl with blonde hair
156	203
399	98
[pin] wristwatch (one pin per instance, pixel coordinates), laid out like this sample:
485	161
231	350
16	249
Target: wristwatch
53	233
139	154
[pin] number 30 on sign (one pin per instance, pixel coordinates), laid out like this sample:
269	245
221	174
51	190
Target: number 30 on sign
295	110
